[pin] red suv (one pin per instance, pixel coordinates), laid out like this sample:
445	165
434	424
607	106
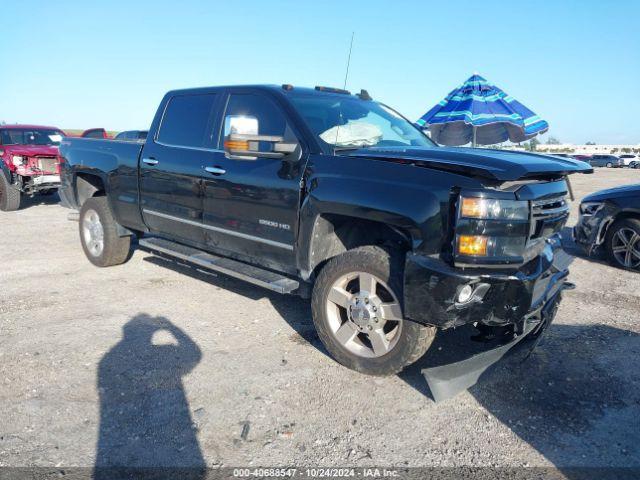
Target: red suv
29	162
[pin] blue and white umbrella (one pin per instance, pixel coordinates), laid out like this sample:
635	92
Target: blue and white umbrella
481	113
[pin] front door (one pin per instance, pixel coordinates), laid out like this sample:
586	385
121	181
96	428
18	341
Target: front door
251	207
172	167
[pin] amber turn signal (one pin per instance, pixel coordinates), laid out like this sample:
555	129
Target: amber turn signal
472	245
236	145
473	207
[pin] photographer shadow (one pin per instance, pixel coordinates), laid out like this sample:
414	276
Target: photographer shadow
146	430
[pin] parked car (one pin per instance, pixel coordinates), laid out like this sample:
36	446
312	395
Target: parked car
132	135
336	197
28	162
630	160
610	220
609	161
95	133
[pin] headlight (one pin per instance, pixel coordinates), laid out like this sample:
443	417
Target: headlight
590	208
490	230
17	160
493	209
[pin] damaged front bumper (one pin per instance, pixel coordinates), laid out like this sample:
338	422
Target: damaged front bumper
433	290
591	230
446	381
511	307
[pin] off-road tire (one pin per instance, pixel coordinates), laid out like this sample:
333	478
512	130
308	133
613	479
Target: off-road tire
415	339
116	248
628	223
9	196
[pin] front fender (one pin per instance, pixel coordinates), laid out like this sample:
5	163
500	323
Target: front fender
410	209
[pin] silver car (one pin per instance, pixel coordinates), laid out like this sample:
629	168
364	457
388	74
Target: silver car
609	161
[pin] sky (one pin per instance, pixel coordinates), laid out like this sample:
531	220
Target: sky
79	64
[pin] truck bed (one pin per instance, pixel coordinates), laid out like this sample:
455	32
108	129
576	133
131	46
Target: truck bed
108	160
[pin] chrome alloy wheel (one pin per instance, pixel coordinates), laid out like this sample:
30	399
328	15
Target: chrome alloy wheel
364	314
625	245
93	233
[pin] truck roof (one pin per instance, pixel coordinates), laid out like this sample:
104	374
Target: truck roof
285	89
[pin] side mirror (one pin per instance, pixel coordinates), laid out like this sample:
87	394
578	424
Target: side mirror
247	147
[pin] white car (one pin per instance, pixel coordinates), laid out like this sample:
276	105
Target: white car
630	160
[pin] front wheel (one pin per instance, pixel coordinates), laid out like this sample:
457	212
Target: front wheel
99	234
623	243
609	165
9	196
357	311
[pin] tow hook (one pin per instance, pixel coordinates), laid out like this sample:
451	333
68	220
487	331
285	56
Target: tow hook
568	286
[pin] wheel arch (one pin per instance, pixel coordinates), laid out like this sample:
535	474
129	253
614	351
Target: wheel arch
88	185
330	234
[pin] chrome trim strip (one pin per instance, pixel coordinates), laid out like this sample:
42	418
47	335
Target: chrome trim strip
198	149
273	243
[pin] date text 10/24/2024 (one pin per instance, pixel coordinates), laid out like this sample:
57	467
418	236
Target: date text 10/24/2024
315	472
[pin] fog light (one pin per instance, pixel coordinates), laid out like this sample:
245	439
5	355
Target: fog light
465	294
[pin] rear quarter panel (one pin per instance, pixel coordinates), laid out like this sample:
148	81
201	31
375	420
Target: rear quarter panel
115	163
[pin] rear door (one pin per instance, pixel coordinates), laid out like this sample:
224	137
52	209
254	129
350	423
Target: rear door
172	166
251	207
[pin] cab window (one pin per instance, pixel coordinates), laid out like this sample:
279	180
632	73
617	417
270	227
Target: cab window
188	121
255	114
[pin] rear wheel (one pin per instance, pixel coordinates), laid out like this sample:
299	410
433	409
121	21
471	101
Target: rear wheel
623	243
357	311
9	196
99	234
609	165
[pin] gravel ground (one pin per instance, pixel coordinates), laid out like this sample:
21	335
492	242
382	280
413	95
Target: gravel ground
156	363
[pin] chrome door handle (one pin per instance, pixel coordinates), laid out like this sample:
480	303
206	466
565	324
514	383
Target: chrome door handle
215	170
150	161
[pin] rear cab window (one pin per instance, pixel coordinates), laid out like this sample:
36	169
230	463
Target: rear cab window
188	121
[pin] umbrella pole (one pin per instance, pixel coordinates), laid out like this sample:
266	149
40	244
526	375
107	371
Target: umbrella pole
474	137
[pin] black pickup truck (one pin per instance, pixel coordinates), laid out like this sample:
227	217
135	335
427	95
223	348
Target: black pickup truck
336	197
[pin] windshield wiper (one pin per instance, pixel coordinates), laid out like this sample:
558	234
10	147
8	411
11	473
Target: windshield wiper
348	149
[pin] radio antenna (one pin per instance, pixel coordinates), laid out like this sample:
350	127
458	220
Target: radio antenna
346	75
344	87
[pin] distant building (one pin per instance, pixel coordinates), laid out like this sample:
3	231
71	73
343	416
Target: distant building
588	149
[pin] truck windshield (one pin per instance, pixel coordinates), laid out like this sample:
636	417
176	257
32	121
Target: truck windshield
30	136
345	123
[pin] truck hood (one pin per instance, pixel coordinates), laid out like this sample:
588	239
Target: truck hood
498	165
31	150
617	192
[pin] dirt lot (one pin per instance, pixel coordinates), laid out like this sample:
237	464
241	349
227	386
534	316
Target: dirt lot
89	372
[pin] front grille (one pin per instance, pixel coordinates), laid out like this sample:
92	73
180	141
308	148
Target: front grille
47	164
548	216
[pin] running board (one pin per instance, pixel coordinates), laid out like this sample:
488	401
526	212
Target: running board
233	268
